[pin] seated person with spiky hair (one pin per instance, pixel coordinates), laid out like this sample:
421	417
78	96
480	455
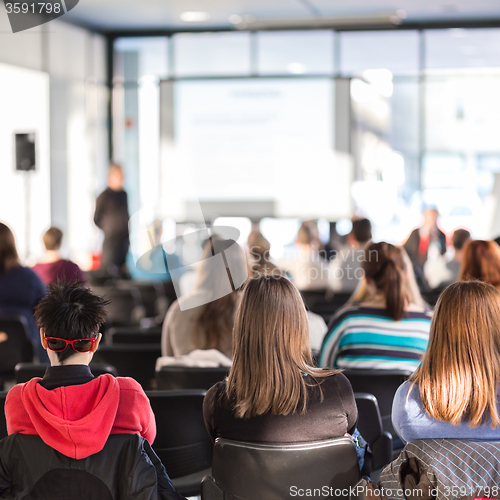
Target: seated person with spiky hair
72	411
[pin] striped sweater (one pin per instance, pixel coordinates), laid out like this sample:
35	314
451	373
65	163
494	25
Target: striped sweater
366	338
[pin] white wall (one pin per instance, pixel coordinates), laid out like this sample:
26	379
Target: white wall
24	105
76	142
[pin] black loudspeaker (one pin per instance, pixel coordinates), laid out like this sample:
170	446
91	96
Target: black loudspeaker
25	152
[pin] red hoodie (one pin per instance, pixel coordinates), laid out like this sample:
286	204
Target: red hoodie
76	420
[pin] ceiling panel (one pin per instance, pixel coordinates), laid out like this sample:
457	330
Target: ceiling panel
415	9
157	14
145	14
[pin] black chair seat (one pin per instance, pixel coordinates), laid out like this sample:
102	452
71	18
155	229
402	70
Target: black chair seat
370	427
182	441
131	360
253	471
188	377
17	347
133	335
383	384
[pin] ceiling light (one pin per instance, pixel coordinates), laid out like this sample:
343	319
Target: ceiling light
194	16
296	68
235	19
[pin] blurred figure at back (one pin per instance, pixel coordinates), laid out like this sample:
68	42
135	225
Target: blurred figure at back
111	216
308	270
259	255
422	239
481	261
345	269
20	288
459	239
53	267
261	264
204	318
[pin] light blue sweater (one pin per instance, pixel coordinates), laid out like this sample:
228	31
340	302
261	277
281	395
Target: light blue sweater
411	421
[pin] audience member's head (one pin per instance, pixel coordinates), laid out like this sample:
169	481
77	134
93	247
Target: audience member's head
459	239
52	239
460	372
70	312
481	261
431	215
361	231
260	259
213	327
115	177
385	268
8	253
271	352
305	235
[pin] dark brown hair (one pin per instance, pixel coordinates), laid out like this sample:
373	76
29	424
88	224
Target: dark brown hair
8	253
52	238
384	265
271	350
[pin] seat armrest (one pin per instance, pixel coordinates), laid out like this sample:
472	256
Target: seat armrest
210	490
381	451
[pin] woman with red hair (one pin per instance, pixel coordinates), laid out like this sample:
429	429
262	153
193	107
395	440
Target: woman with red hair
481	261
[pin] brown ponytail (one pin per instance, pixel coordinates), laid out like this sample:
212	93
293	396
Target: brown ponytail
385	266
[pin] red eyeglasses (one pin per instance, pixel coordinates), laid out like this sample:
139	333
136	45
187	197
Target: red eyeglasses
79	345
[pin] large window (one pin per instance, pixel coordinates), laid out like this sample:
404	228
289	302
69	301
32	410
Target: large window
420	125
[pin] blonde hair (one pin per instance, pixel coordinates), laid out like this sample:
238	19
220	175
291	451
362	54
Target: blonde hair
460	372
271	350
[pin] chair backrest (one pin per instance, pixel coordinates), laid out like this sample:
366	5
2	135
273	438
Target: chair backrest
370	427
182	440
383	384
122	469
189	377
125	307
133	335
3	422
16	346
27	371
253	471
131	360
147	292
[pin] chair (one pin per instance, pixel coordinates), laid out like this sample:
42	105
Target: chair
182	441
370	427
149	294
125	306
3	423
27	371
189	377
383	384
17	346
252	471
133	335
131	360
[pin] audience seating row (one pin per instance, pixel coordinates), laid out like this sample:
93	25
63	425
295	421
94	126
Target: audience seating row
185	448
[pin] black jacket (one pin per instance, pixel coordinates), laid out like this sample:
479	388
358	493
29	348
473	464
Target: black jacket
126	469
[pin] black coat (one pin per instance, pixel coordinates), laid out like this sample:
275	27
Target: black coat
126	469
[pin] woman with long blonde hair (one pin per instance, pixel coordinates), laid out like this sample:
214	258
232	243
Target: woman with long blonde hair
454	392
273	393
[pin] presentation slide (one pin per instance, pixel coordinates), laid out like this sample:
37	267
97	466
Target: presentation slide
260	140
